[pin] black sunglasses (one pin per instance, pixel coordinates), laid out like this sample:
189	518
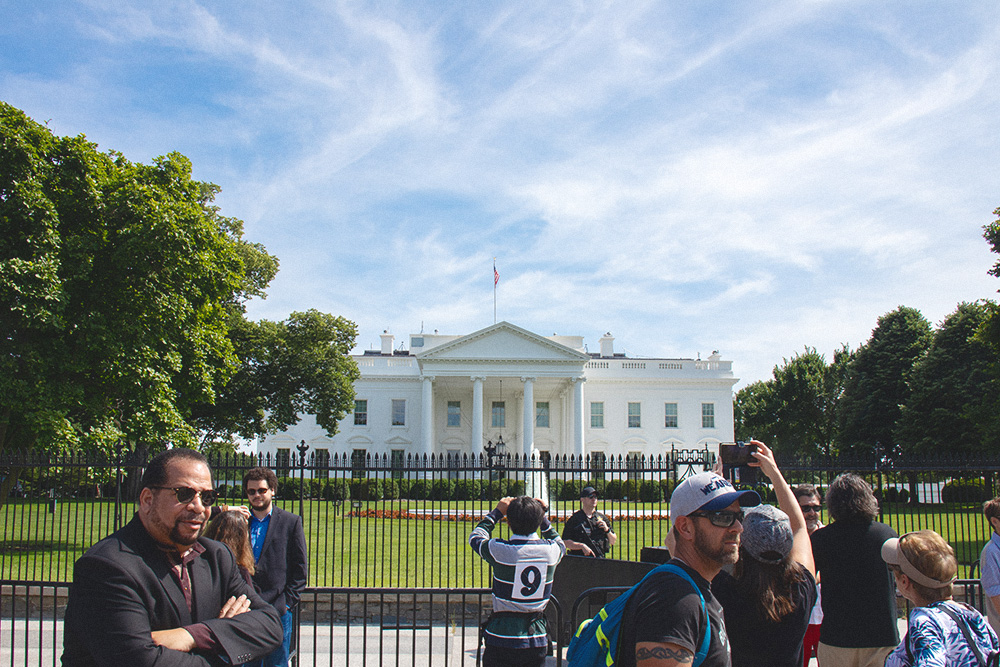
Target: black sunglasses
811	508
254	492
185	494
721	518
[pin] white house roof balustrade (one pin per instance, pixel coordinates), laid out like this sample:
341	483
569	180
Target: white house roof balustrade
448	394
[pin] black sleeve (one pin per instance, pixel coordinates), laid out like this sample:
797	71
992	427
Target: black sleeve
298	565
670	612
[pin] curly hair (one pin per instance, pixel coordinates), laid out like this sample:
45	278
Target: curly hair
258	474
850	498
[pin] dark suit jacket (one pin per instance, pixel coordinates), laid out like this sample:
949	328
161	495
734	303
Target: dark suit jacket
123	590
282	568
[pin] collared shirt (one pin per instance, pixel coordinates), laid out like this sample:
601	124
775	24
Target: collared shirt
989	573
180	568
258	531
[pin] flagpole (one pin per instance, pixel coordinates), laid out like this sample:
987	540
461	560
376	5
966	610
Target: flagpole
496	279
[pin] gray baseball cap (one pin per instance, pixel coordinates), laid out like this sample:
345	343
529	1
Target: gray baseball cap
767	534
709	492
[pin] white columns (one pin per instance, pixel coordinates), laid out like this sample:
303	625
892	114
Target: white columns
477	415
579	416
427	414
529	415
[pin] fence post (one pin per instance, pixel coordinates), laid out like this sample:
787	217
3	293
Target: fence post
119	480
302	447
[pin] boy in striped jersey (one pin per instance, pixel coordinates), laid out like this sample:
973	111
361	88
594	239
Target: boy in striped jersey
516	634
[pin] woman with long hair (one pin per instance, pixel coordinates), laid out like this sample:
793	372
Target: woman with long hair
940	631
231	529
769	596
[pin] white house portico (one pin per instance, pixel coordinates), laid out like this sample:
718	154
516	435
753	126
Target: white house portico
544	395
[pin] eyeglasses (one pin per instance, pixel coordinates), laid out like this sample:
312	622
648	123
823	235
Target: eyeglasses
722	518
811	508
254	492
185	494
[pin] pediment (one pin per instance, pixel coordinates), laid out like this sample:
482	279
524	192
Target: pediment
503	342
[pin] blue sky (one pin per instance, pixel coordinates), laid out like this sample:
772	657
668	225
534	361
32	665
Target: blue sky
751	177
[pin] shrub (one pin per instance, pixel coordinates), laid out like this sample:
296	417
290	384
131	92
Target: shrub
366	489
468	489
419	489
650	491
336	489
390	489
442	489
965	491
613	490
288	488
666	488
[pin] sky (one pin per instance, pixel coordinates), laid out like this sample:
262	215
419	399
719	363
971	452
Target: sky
748	177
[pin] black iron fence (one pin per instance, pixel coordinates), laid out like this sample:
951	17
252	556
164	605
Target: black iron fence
388	522
390	571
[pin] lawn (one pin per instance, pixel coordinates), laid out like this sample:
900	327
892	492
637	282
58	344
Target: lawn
386	545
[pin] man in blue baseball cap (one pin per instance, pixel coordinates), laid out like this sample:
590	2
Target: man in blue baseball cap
665	620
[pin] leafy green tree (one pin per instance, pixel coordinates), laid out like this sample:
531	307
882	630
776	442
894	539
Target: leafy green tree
989	333
301	365
122	307
877	383
952	389
795	411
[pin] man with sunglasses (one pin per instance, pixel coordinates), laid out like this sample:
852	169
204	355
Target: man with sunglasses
588	532
809	499
155	592
665	620
279	551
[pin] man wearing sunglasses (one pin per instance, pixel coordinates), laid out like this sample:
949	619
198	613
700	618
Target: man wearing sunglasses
588	532
279	552
809	499
665	621
155	592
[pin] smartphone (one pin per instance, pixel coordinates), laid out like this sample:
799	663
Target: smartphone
736	458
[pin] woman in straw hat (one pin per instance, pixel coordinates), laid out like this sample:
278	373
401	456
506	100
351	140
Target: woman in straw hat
940	631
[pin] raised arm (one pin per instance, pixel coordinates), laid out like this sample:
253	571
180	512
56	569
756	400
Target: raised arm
801	544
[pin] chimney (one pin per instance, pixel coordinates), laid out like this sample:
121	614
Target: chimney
387	339
607	342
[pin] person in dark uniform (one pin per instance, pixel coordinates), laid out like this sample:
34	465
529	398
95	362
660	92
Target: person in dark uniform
588	532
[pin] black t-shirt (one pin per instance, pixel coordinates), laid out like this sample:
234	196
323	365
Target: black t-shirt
859	593
584	529
666	609
759	642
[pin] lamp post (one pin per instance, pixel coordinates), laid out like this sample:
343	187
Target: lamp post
494	450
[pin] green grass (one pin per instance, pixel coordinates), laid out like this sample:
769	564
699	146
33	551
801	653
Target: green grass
347	550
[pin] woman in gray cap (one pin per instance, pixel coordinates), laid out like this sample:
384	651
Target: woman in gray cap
770	594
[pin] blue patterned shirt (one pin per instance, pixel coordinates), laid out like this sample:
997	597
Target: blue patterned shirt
935	640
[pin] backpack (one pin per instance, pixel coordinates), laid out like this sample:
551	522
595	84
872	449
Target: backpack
595	643
992	659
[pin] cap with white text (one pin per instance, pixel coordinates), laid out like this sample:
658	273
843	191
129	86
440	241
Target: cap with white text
708	492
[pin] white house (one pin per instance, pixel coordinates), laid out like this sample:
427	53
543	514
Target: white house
543	395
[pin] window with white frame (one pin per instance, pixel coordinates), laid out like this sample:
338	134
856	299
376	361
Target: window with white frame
597	463
708	415
633	465
399	412
596	414
359	463
397	462
322	464
670	415
361	412
635	415
454	413
282	459
499	414
542	414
